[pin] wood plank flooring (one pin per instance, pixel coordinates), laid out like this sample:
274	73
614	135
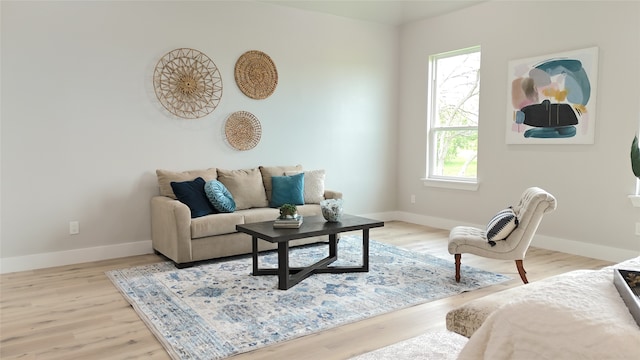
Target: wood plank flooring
75	312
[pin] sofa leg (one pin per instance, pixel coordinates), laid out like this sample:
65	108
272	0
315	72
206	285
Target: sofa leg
184	265
521	271
457	257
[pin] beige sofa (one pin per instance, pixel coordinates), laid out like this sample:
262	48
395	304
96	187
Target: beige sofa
185	240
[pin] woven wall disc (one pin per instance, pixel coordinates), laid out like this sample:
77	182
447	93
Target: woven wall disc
242	130
256	74
187	83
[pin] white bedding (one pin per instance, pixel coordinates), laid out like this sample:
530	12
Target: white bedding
579	315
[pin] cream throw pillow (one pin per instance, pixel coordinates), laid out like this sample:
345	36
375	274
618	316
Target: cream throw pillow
246	187
313	185
165	177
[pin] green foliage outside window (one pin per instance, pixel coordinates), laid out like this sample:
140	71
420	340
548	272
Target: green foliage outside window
454	127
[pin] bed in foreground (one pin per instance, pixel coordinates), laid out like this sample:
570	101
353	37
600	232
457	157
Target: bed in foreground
579	314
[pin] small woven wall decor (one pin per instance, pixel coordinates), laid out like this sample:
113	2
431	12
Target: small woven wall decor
187	83
256	74
243	130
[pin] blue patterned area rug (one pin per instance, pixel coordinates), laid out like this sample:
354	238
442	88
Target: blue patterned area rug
217	309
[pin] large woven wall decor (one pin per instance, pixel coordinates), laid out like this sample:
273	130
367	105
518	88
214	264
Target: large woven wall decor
256	74
187	83
243	130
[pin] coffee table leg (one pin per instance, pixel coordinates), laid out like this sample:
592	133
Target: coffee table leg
333	246
283	265
365	249
254	251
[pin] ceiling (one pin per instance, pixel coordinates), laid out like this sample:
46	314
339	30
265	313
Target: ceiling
390	12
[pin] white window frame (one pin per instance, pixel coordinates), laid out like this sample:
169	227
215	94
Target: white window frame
439	180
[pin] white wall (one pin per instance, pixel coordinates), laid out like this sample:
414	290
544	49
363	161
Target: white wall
83	133
591	182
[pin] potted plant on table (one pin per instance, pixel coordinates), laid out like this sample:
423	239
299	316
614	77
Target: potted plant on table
288	211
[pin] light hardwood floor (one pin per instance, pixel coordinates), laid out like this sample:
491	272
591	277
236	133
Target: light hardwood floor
74	312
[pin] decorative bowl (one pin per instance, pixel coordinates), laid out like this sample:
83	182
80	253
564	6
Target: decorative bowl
331	209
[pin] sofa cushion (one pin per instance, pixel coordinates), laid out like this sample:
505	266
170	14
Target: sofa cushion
501	225
216	224
246	187
192	194
287	190
268	171
259	214
219	196
308	210
269	214
165	177
313	185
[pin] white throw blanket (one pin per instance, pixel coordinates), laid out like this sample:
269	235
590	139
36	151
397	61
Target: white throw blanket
579	315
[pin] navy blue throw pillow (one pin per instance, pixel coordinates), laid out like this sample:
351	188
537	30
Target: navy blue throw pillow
192	194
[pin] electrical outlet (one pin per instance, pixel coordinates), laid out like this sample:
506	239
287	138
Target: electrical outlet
74	227
413	199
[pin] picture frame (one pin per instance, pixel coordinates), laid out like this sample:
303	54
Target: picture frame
551	99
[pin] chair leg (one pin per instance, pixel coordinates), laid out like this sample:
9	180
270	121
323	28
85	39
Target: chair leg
457	257
521	271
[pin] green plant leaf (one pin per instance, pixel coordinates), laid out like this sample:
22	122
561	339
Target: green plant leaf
635	157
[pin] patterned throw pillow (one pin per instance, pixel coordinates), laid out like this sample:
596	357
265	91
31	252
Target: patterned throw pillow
287	190
192	194
219	196
501	225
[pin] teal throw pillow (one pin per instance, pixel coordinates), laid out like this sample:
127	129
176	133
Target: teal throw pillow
192	194
287	190
219	196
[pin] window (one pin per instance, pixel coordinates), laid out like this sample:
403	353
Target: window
454	88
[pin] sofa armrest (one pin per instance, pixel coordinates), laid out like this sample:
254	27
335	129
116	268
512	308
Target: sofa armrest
330	194
171	228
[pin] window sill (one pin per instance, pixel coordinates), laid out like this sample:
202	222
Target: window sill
451	184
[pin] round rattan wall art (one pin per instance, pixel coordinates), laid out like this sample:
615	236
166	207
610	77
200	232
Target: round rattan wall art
242	130
256	74
187	83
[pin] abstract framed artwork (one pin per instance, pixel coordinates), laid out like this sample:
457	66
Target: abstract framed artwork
552	98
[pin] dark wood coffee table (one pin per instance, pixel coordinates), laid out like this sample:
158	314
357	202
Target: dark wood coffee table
311	226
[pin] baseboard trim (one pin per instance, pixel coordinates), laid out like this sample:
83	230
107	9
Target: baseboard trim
76	256
583	249
573	247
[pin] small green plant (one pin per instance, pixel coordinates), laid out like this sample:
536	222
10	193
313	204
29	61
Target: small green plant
288	210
